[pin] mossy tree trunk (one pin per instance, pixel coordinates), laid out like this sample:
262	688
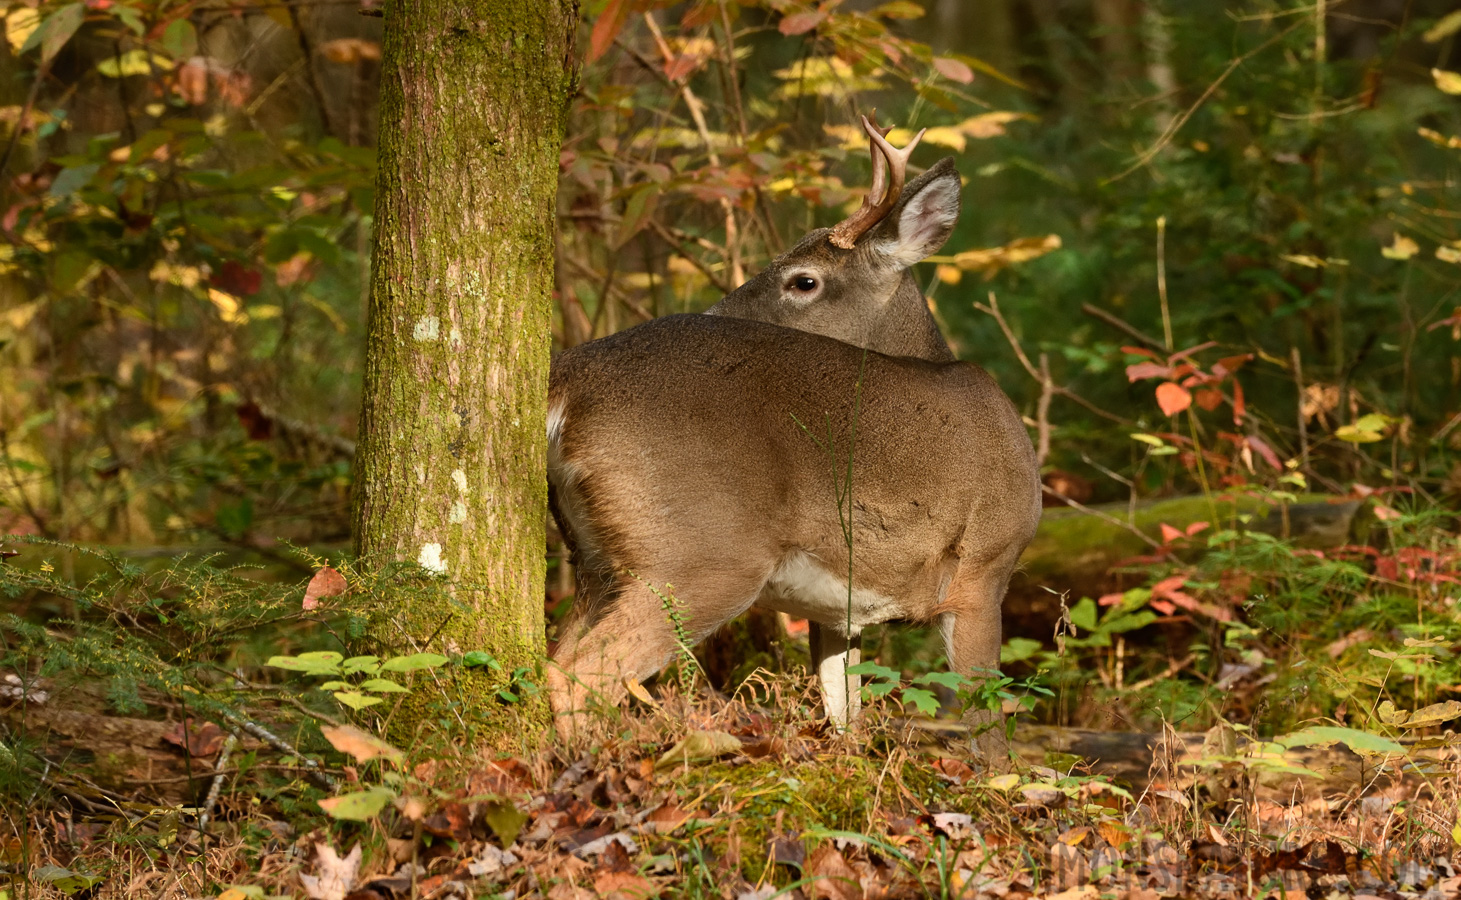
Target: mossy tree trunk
450	472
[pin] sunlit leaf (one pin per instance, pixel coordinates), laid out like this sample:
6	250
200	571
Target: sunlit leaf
359	744
413	662
360	806
1447	82
1354	739
1401	247
356	700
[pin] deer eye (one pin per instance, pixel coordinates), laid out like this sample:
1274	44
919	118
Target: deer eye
804	283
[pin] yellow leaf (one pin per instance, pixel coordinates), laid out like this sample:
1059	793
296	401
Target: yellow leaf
19	24
640	694
1003	782
990	124
229	308
992	259
1447	26
1434	714
1303	259
1402	247
1440	140
1447	82
948	274
1448	254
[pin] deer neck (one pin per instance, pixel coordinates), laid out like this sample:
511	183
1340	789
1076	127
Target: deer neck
907	327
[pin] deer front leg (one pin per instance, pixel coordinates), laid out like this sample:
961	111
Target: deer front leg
833	652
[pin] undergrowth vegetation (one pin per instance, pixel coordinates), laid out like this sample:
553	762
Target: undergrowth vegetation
1212	254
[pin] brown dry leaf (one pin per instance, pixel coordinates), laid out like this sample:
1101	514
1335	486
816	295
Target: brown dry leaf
201	741
1073	837
698	746
326	583
667	818
335	876
350	50
358	743
412	807
835	878
624	886
1113	833
1083	892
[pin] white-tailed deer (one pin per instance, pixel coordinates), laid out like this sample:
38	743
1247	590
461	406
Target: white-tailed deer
709	457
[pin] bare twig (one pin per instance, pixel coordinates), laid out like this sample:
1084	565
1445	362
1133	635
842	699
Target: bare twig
312	768
1171	131
1077	505
1299	411
213	789
1009	335
697	114
1121	325
1042	412
307	48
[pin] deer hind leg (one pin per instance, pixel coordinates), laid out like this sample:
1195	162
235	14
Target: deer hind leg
633	635
834	651
972	631
630	637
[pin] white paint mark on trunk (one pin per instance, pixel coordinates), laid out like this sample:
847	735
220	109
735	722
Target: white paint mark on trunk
428	328
430	558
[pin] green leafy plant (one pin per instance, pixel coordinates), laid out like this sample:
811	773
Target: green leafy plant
358	682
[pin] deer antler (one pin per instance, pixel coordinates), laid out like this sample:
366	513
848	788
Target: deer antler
890	166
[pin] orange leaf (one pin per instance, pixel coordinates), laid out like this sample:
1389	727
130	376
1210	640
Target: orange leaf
1173	398
325	583
1209	398
1239	407
1385	513
1170	534
607	27
953	70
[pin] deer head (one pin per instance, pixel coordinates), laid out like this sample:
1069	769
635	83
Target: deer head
853	282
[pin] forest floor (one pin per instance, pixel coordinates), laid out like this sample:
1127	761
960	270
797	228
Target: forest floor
717	798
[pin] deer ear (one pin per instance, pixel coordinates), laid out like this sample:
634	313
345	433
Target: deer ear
923	219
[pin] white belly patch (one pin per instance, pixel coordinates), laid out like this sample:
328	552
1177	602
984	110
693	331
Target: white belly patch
801	586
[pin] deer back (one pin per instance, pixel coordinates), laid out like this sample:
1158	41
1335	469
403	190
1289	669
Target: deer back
708	433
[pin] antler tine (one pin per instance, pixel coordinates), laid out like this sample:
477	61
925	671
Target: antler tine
887	185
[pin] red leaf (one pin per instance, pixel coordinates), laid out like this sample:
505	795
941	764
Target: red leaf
1138	371
1385	513
1195	527
1167	585
1140	351
1170	534
1239	407
606	29
197	740
1173	398
953	70
702	13
1265	451
681	66
237	279
325	583
1209	398
1111	599
1230	364
1162	607
801	23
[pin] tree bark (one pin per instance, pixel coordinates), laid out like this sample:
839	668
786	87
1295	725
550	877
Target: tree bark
450	472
